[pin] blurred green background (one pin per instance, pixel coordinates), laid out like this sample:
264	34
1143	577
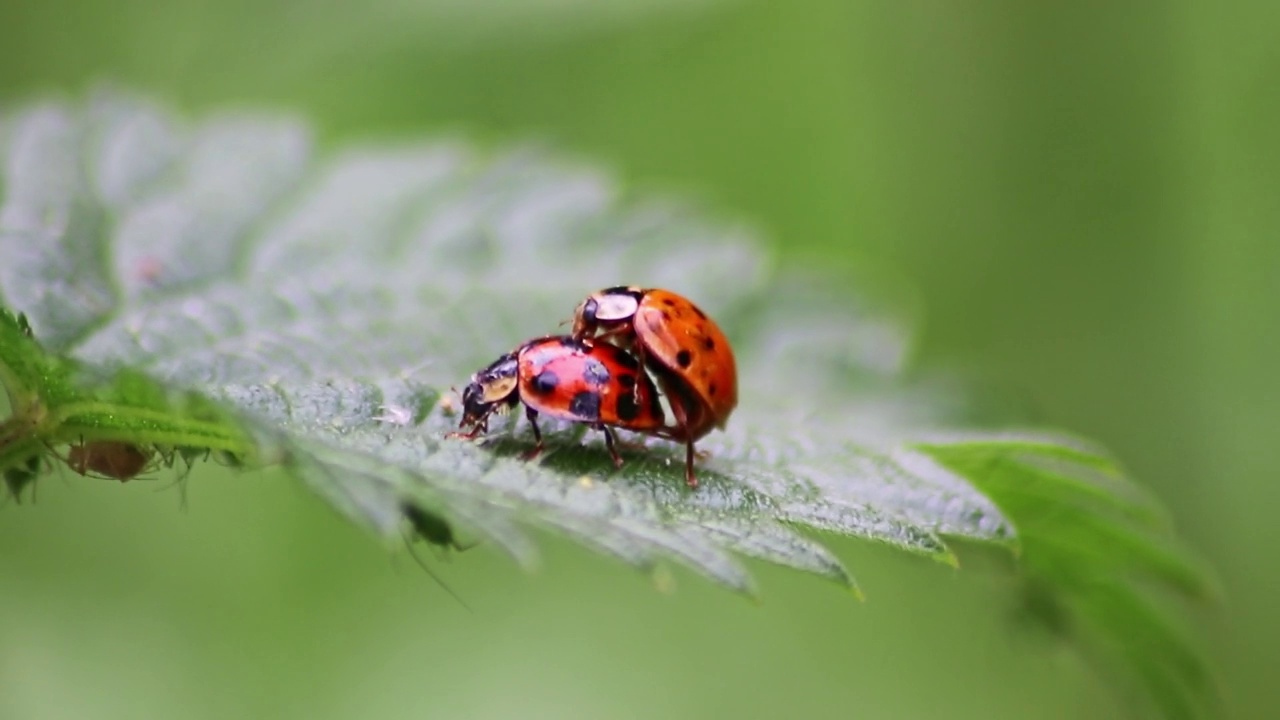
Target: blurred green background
1085	198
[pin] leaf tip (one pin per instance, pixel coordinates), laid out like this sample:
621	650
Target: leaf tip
949	558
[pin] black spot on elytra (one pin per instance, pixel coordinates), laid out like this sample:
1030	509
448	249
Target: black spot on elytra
595	373
708	344
712	389
666	316
701	314
684	358
627	381
545	382
586	406
627	408
668	302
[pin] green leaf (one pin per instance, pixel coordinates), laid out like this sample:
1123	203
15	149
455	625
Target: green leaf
220	287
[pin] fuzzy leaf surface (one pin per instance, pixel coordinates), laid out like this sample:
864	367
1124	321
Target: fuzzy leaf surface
221	285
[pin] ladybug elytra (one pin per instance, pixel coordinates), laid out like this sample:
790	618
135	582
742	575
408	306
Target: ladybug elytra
683	347
597	384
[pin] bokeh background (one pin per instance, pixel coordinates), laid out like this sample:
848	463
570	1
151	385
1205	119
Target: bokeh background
1085	197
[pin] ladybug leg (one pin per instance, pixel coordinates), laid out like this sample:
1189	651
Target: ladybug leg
682	427
481	426
81	464
536	450
612	446
689	478
615	331
638	349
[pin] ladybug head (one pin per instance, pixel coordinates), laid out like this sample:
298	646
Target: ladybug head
489	388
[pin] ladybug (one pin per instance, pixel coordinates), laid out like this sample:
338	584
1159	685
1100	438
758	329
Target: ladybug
601	385
685	350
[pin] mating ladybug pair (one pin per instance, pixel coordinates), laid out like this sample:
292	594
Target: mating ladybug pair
652	339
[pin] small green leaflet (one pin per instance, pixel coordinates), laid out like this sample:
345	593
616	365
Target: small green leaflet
221	286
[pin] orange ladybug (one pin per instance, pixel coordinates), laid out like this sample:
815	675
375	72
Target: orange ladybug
600	385
685	350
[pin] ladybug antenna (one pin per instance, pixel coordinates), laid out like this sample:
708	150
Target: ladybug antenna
408	539
562	323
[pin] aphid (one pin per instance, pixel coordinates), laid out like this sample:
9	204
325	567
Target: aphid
229	458
113	459
436	531
684	349
431	527
395	415
19	477
600	385
168	456
16	431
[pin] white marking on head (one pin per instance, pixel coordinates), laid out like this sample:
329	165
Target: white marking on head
499	388
611	307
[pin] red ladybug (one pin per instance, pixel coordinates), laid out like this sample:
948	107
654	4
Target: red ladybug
600	385
685	350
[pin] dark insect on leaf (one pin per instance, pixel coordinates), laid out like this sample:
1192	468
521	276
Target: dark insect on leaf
112	459
22	476
435	530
